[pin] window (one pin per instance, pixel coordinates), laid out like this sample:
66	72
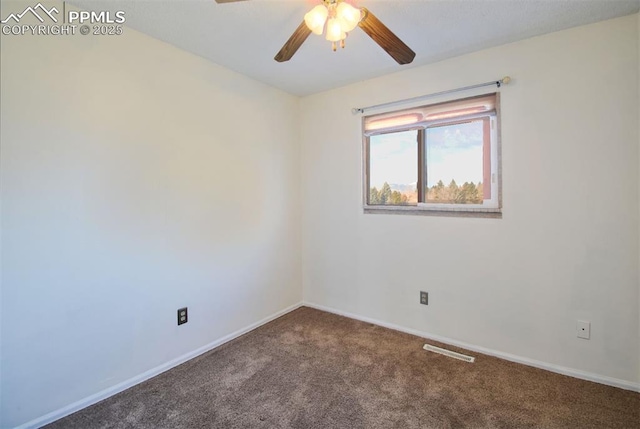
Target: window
437	158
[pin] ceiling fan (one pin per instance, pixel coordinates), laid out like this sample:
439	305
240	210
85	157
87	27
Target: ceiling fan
337	18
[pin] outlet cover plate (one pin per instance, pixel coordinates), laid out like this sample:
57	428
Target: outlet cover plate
183	316
424	298
584	329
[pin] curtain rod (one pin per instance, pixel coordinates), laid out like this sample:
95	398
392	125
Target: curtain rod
504	81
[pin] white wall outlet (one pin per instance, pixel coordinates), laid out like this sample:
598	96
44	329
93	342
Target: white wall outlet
584	329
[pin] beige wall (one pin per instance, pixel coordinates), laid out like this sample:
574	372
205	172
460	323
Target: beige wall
567	246
136	179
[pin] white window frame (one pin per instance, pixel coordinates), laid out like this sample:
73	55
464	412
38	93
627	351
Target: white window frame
490	208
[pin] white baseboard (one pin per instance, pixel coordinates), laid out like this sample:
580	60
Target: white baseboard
83	403
602	379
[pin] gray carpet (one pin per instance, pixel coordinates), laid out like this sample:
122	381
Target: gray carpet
311	369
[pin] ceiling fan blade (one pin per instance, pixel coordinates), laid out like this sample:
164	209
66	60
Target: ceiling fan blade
293	44
227	1
385	38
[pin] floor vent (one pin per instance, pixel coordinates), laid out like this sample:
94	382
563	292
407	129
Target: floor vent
449	353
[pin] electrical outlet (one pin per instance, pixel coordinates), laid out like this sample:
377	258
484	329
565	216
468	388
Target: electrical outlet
183	316
584	329
424	298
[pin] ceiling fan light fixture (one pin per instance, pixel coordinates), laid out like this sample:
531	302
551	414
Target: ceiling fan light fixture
338	18
334	30
316	18
348	16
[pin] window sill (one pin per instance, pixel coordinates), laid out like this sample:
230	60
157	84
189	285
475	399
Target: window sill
427	211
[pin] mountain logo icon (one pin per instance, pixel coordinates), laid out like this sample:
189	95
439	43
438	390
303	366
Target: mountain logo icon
34	11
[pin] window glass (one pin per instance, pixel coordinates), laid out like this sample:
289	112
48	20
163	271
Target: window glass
454	160
393	160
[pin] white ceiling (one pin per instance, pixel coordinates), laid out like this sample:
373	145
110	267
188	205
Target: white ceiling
245	36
